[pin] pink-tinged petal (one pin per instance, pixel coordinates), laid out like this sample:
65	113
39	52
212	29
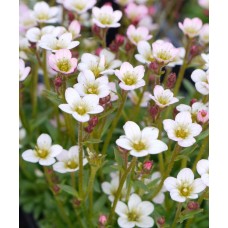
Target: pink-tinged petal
150	133
55	150
186	142
126	67
52	62
124	143
59	167
198	186
66	108
132	131
106	188
44	141
121	208
180	25
63	54
145	222
183	117
195	129
158	90
47	161
177	197
73	62
170	183
169	124
30	156
84	118
157	146
186	175
72	97
146	208
134	201
124	222
139	70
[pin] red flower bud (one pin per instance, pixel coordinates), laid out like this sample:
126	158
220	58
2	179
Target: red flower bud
88	129
58	82
154	110
148	165
161	220
194	100
93	121
56	189
114	47
70	16
193	205
154	66
119	39
171	80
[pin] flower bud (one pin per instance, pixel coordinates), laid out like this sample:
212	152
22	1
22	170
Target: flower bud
194	100
104	100
161	220
76	202
154	110
93	121
58	82
171	80
119	40
154	66
88	129
56	189
195	50
96	30
98	50
202	116
193	205
148	165
70	16
114	47
103	219
128	46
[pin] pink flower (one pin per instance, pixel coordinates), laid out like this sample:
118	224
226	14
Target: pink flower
103	219
135	13
202	116
23	71
62	62
74	29
135	35
191	27
164	52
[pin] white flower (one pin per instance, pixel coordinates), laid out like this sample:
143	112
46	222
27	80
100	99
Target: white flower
163	97
104	64
204	34
136	213
205	57
113	93
45	14
203	170
194	110
79	6
51	42
105	17
111	189
130	77
145	52
68	161
182	129
88	84
178	60
27	20
140	143
74	28
44	152
184	186
80	108
35	34
135	35
23	71
191	27
135	98
160	197
201	79
164	52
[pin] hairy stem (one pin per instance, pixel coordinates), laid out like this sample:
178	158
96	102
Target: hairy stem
80	172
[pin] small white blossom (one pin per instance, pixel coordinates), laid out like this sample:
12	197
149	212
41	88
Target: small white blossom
184	186
79	6
201	79
23	71
203	170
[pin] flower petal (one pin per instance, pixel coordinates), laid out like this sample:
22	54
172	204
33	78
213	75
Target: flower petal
132	131
145	222
47	161
198	185
170	183
44	141
55	150
124	143
134	202
59	167
121	209
125	223
186	175
145	207
30	156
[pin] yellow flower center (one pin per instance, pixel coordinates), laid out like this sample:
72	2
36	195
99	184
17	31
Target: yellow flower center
64	65
182	132
79	6
105	19
137	38
81	110
96	71
164	55
163	100
139	146
129	79
42	153
71	164
133	216
92	89
185	190
43	16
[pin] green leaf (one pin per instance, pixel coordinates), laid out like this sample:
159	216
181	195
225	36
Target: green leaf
140	185
202	135
189	215
189	87
52	96
68	189
100	202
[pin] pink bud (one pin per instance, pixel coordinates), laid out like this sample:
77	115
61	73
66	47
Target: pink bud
58	82
147	165
96	30
56	189
195	50
171	80
194	100
152	10
119	39
154	110
128	46
103	219
202	116
93	121
154	66
114	47
104	100
70	16
161	220
88	129
193	205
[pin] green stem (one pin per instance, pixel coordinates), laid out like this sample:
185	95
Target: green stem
183	68
72	175
80	172
46	78
200	154
104	34
114	123
169	169
178	211
34	89
121	184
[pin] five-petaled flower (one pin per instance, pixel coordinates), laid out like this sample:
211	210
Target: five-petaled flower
201	79
140	143
79	6
203	170
184	186
182	129
44	152
135	213
81	108
63	62
68	161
